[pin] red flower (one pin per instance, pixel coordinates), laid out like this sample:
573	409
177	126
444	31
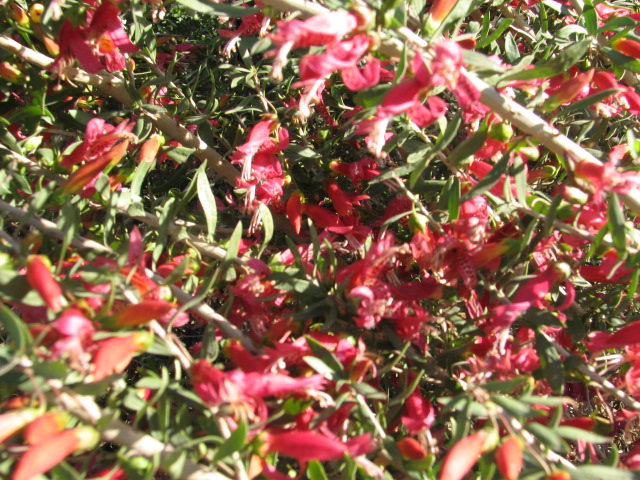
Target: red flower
98	46
317	30
12	422
509	458
47	454
115	354
41	280
308	446
418	413
463	455
411	449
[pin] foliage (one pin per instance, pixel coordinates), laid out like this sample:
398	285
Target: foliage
356	239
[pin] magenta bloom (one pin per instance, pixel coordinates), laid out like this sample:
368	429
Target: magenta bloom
98	46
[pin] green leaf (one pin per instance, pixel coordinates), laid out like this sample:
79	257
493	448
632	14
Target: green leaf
232	444
371	96
468	147
587	102
546	435
453	198
446	137
322	368
616	224
207	200
573	433
138	177
267	225
325	355
315	471
598	472
590	17
513	406
562	62
218	9
16	328
495	34
551	362
490	179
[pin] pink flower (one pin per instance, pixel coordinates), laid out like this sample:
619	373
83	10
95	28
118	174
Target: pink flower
97	46
317	30
308	446
418	414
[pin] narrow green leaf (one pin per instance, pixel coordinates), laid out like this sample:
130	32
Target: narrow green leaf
468	147
590	17
513	406
616	223
573	433
551	362
325	355
322	368
315	471
495	34
587	102
490	179
218	9
562	62
138	177
207	200
453	200
546	435
16	328
267	225
232	444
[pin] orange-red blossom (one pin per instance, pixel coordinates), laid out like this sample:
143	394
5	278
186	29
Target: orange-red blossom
464	454
46	454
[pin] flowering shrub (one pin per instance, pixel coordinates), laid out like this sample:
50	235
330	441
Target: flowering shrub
281	239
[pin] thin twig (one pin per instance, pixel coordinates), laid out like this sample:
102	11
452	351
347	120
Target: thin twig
115	87
116	431
202	309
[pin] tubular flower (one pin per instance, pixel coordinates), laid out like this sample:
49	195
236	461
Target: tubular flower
115	354
509	458
463	455
142	312
411	449
308	446
97	46
44	427
627	46
41	280
318	30
48	453
12	422
438	12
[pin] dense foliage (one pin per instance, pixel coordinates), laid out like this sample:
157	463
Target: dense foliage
349	239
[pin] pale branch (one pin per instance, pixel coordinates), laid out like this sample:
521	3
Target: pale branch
202	309
521	117
50	228
115	87
116	431
175	227
208	313
589	372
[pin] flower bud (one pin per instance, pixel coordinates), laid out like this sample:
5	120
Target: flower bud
627	46
35	12
509	458
19	15
411	449
9	72
150	148
40	278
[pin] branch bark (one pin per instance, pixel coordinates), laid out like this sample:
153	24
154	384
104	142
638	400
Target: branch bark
115	87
